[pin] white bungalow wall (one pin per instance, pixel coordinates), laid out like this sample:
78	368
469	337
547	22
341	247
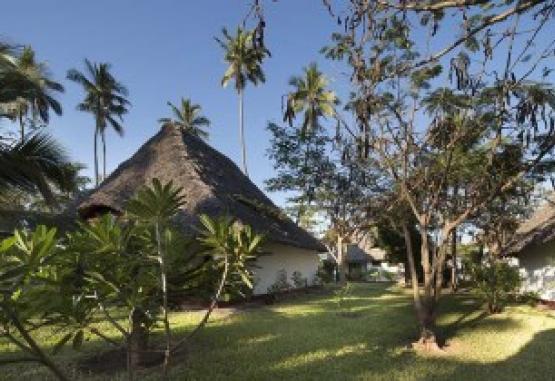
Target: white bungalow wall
538	270
288	258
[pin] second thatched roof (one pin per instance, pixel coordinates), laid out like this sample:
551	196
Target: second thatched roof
211	182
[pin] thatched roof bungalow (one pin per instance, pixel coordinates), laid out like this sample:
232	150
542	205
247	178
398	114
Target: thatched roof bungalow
214	185
534	246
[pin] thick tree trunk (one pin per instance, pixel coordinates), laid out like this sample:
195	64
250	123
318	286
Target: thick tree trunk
426	315
242	134
137	345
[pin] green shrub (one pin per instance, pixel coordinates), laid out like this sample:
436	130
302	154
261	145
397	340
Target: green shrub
298	280
494	281
281	284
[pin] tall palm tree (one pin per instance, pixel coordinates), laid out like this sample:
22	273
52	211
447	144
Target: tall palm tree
105	98
311	97
188	118
34	77
244	58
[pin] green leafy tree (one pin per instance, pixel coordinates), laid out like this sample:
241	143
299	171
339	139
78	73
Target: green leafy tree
35	292
106	99
244	58
154	206
494	281
188	118
301	162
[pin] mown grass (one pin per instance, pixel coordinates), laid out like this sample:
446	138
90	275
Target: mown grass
308	338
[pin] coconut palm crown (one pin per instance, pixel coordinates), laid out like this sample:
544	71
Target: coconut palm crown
105	98
311	97
37	89
188	118
244	59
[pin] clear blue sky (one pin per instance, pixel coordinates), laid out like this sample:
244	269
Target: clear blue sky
163	50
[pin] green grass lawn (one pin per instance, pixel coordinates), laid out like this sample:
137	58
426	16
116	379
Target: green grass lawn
306	338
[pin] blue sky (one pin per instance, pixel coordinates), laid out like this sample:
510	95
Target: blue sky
165	49
162	50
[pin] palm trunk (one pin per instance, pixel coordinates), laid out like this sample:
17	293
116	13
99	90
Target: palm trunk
165	318
242	134
96	154
103	135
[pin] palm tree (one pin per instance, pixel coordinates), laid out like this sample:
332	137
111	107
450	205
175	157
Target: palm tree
188	118
35	84
105	98
244	58
36	164
311	97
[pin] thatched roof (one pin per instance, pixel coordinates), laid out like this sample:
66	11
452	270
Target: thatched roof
538	229
211	183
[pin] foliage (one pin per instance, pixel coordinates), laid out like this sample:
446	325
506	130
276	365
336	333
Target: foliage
298	280
105	98
494	281
301	161
311	97
188	118
244	57
281	284
37	164
36	290
33	91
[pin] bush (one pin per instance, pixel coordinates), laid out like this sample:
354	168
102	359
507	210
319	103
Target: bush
324	275
494	281
298	280
281	284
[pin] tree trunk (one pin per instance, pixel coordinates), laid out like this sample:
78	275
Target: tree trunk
412	270
103	135
163	280
427	311
242	134
454	260
21	126
137	345
341	260
96	154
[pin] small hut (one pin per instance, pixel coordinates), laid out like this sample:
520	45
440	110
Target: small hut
534	246
213	185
